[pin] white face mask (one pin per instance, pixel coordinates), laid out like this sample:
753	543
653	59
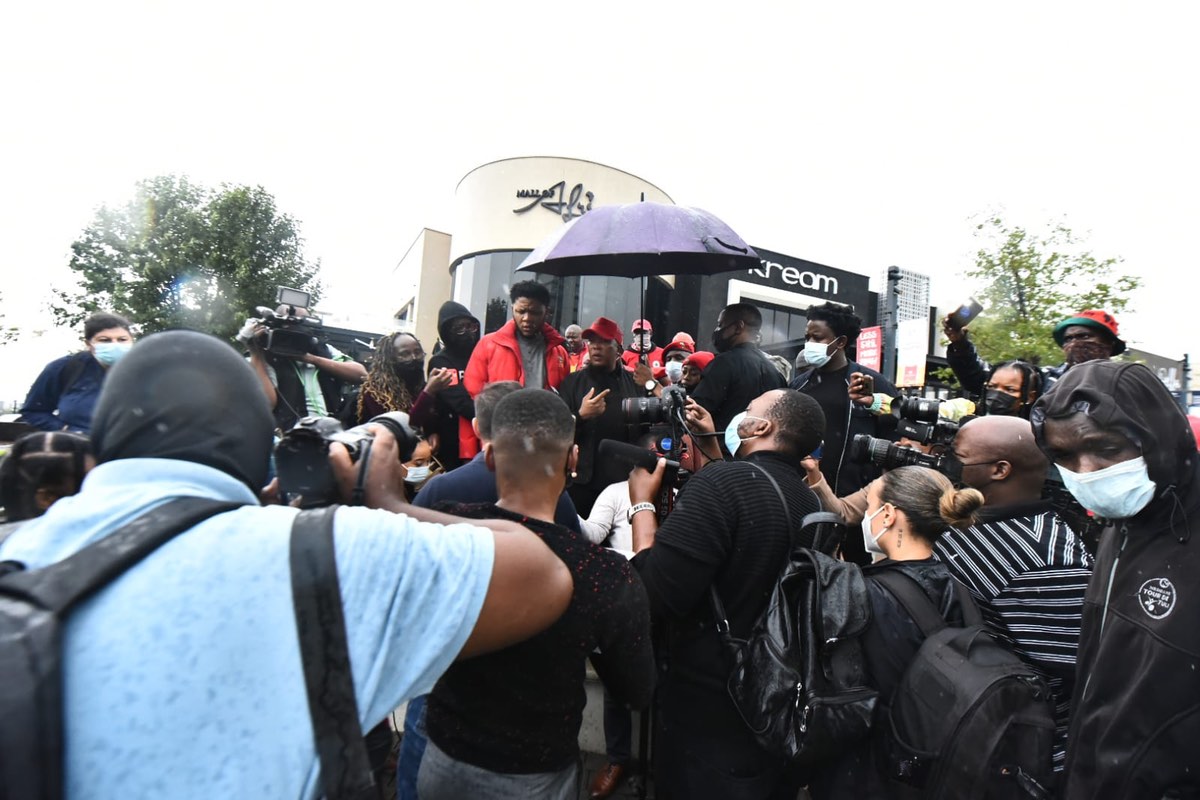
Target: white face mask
816	354
674	371
870	540
732	439
1116	492
417	475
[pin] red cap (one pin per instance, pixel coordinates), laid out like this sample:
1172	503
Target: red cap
681	342
700	359
603	328
642	325
1092	318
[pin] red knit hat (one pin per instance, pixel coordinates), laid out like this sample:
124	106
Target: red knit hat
603	328
1092	318
700	359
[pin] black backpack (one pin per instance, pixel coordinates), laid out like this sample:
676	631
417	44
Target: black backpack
969	719
798	681
34	605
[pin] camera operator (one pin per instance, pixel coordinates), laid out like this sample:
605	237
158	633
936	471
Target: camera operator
594	395
727	530
185	671
301	386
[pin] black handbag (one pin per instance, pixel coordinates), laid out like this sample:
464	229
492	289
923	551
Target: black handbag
799	679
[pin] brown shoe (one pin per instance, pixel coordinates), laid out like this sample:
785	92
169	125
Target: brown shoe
607	780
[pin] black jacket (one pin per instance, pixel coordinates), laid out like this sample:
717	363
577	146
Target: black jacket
453	403
844	476
733	379
609	425
1135	725
290	404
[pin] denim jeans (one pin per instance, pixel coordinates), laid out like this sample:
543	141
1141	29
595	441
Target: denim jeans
412	749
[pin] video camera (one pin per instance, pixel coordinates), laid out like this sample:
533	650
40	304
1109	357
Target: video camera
866	449
919	420
290	334
302	455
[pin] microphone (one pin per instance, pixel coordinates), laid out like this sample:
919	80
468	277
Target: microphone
632	455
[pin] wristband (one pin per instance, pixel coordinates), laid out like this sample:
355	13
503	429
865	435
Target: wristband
636	508
876	403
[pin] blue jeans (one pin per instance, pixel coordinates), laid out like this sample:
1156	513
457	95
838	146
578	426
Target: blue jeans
412	749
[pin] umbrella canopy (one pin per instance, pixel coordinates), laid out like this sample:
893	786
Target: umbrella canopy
640	240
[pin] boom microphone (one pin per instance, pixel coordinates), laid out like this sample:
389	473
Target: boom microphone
632	455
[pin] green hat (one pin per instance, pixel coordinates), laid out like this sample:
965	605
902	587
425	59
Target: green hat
1100	320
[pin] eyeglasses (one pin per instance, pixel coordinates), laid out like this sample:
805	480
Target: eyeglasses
458	329
404	357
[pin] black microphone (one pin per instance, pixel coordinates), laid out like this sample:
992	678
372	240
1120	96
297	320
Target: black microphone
632	455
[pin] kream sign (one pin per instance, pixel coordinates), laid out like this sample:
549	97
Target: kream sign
778	274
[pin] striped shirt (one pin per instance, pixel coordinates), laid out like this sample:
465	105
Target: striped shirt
1028	573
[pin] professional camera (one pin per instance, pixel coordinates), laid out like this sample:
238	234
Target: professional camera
919	421
667	409
866	449
292	331
302	455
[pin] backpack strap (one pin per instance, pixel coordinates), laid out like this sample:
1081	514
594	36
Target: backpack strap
912	597
60	586
325	654
718	606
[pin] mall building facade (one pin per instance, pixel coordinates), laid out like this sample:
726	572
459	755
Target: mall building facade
504	209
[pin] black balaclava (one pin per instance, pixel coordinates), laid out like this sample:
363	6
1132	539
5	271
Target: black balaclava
187	396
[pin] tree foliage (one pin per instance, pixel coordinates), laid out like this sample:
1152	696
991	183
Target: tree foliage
181	256
1029	283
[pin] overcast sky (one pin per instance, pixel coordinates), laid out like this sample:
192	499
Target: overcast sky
856	135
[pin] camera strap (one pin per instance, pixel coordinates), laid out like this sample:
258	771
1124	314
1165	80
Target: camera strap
359	495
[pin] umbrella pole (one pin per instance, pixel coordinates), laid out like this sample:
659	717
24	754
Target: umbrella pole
645	357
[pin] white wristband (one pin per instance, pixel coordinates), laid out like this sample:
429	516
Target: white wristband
638	507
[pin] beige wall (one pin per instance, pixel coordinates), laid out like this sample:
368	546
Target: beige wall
486	197
426	264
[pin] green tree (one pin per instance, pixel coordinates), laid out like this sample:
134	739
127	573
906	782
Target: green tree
181	256
1028	283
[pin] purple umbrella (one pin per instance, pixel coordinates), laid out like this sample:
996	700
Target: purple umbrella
639	240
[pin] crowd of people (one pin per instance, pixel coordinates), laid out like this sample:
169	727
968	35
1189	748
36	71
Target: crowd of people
491	546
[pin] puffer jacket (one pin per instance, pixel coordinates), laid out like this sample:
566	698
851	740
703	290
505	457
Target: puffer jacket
497	357
1135	724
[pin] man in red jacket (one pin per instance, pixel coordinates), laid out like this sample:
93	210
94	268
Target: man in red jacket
527	349
641	347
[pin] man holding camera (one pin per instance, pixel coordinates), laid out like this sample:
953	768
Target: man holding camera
594	394
183	676
728	530
307	385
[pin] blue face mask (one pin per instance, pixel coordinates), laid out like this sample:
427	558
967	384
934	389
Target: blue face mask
732	440
109	353
816	354
1116	492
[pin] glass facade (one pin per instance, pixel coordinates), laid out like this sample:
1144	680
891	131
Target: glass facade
781	324
482	282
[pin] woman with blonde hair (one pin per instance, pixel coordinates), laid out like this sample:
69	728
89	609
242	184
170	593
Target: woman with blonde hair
907	510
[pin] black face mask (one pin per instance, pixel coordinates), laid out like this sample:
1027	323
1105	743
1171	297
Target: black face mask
997	402
409	369
462	342
720	343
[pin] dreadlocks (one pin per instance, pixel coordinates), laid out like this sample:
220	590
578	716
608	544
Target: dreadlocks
383	382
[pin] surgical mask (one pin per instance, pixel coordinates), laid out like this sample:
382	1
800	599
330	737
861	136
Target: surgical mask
109	353
1116	492
816	354
641	342
732	440
417	475
870	540
997	402
674	371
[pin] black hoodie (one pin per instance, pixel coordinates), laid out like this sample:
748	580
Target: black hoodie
453	403
1135	725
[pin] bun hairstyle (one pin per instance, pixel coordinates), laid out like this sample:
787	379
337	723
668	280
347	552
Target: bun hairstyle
929	500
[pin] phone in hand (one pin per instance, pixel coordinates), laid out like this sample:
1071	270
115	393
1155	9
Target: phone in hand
964	315
867	382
